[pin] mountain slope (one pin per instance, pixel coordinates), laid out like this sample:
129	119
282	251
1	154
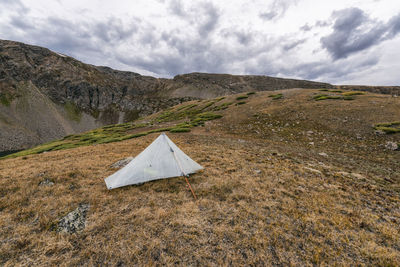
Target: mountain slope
45	95
293	177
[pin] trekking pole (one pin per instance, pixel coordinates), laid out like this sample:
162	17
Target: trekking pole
187	181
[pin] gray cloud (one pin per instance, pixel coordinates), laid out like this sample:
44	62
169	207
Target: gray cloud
393	26
293	44
176	7
321	23
209	19
355	31
277	9
204	16
306	27
13	5
114	30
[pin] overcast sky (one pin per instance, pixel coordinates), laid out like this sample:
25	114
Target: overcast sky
341	41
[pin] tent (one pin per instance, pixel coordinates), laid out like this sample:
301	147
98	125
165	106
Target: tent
161	159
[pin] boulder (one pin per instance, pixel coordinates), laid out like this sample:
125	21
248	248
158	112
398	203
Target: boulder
391	146
121	163
74	221
46	182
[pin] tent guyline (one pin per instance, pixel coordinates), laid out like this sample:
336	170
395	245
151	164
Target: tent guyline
161	159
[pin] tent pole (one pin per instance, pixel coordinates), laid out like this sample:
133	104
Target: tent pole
187	181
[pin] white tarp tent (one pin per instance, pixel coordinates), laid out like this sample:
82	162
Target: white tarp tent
161	159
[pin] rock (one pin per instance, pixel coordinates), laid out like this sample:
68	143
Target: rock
41	174
379	132
313	170
46	182
353	174
391	146
311	143
310	132
257	171
121	163
323	154
74	221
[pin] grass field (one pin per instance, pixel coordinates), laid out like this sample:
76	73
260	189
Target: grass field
289	182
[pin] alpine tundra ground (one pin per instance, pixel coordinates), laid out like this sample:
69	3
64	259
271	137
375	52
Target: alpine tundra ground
304	178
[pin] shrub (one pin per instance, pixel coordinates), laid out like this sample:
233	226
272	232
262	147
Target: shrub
240	103
251	93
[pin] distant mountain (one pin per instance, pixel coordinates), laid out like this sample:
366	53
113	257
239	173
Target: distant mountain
46	95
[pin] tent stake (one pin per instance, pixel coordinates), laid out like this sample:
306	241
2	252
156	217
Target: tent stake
187	181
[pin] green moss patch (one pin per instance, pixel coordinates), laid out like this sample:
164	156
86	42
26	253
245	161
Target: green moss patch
325	97
219	99
276	96
73	112
241	97
6	99
251	93
388	127
222	106
179	130
351	93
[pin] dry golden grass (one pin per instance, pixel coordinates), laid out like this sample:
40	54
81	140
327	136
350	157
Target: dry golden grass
264	198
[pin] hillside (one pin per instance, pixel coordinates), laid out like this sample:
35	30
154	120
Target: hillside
45	95
292	177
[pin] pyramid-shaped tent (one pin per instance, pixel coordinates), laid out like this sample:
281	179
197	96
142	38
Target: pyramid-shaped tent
161	159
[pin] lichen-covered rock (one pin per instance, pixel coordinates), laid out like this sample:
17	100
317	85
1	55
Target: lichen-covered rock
46	182
391	146
121	163
74	221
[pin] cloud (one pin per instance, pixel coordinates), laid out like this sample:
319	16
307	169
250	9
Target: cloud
204	36
293	44
208	19
355	31
277	9
176	7
306	27
14	6
204	16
